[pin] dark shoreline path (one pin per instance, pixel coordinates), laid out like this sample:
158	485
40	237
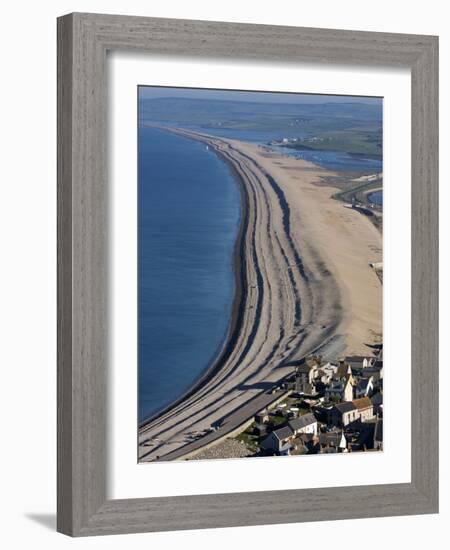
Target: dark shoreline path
277	318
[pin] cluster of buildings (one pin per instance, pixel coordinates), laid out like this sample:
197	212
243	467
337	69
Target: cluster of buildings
290	140
331	407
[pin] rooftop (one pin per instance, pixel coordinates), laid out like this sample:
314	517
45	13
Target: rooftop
283	433
363	383
304	368
347	406
343	371
331	438
302	421
355	358
362	403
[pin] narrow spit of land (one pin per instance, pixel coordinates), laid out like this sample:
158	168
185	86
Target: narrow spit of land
302	280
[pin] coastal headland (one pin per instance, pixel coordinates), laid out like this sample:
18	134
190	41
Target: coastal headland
303	285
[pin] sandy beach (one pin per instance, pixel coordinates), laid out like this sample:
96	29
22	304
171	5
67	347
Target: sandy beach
303	283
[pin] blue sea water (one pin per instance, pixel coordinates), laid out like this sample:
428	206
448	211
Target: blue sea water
189	211
338	161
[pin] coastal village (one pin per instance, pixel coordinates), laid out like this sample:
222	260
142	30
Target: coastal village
328	407
325	407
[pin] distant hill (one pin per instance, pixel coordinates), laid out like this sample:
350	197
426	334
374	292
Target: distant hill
195	110
353	127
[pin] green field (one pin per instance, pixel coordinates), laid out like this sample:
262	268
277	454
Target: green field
365	141
352	127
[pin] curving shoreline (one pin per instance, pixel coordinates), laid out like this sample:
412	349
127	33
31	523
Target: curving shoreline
237	309
287	303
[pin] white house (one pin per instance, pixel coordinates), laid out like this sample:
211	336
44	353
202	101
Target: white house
306	424
279	441
365	408
343	414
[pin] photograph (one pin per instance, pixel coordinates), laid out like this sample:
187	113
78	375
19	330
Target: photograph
260	274
220	220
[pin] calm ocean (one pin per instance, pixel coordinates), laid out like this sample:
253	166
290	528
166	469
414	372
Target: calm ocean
189	210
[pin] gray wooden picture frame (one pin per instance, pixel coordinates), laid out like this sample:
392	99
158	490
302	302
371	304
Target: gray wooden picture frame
83	41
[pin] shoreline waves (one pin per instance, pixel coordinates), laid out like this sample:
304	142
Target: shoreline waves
290	300
238	262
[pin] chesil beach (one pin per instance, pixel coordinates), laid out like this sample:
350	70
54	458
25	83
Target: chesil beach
303	284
